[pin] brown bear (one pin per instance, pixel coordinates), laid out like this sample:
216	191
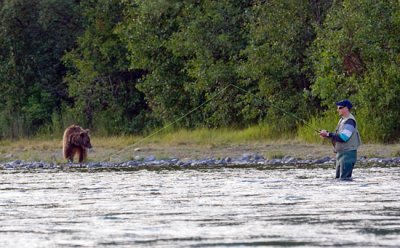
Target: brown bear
76	140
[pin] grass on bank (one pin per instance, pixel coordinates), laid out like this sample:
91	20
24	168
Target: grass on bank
194	142
49	148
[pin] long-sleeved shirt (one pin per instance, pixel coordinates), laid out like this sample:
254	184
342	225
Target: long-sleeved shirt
344	136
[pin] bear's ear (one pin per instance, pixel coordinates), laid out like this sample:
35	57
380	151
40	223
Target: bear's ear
87	130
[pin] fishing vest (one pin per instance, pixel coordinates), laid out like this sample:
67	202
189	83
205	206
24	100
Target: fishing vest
355	140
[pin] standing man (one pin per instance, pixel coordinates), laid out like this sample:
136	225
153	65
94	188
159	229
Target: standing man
346	140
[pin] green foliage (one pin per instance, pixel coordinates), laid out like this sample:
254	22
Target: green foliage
145	30
99	81
327	121
209	40
190	50
279	36
33	37
123	67
356	56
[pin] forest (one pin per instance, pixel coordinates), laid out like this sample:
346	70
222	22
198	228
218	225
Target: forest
132	66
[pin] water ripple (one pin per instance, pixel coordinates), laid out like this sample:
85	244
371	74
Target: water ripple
200	208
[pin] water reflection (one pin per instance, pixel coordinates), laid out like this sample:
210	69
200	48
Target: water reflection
200	208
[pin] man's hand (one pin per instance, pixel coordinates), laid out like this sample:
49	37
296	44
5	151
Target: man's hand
324	134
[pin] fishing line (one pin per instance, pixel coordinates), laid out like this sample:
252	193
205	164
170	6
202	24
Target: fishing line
201	105
274	106
172	123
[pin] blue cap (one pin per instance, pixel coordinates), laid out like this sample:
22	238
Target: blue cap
345	103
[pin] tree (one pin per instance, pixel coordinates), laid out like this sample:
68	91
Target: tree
146	29
189	50
33	37
356	56
209	39
276	66
100	81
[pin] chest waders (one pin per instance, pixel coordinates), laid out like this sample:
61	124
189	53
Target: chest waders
346	152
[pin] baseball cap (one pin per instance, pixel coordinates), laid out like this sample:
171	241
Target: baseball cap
345	103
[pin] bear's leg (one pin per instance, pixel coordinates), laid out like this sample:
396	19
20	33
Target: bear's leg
84	154
75	150
81	152
69	153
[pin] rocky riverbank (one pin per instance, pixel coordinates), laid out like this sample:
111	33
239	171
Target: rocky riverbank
48	155
246	160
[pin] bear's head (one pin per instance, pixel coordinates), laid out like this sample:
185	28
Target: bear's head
81	138
85	139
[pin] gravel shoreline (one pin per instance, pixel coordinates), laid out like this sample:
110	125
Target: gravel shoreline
246	160
189	155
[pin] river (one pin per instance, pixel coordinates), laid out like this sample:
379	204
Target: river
215	207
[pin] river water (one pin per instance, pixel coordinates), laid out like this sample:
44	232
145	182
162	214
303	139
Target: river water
220	207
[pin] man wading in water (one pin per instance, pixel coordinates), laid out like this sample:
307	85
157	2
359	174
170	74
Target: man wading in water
346	140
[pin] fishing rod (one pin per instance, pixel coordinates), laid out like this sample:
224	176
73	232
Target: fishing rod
280	109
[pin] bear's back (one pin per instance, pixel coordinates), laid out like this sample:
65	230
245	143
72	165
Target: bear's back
69	132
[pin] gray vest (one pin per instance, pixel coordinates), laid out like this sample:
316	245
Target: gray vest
355	140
